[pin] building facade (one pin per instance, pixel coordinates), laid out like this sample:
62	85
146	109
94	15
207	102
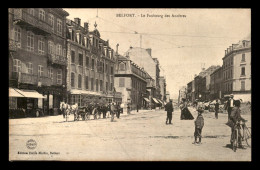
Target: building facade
162	81
37	57
237	70
216	82
91	65
130	80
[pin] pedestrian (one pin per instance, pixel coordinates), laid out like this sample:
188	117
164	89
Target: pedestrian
128	108
169	109
230	105
216	109
185	113
112	112
199	123
118	111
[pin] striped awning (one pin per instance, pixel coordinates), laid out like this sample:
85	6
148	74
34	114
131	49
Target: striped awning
146	99
160	101
30	94
155	100
14	93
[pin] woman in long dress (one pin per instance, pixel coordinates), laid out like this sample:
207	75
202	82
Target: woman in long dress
185	113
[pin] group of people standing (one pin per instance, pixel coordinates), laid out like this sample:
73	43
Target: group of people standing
232	106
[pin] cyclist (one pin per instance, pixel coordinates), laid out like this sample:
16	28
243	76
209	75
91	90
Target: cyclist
235	117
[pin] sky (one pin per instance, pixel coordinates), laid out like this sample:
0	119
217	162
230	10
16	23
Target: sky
181	44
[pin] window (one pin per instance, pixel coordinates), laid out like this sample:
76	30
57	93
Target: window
92	64
92	84
79	81
30	41
50	47
42	14
243	85
41	45
86	82
80	59
101	85
31	11
59	76
12	102
121	82
243	57
73	35
231	87
112	70
40	70
59	50
101	67
87	61
51	21
231	74
232	61
29	68
106	69
17	36
243	71
64	52
50	73
80	39
59	27
96	84
17	65
72	57
122	66
111	86
72	80
87	42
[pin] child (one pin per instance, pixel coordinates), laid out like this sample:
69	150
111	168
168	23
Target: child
199	123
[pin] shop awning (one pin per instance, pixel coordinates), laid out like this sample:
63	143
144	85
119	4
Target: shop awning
30	94
160	101
146	99
155	100
14	93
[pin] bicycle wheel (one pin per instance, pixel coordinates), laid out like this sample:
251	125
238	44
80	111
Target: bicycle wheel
247	132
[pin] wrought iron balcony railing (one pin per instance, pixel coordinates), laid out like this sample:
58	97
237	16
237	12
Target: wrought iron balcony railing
56	59
22	17
12	45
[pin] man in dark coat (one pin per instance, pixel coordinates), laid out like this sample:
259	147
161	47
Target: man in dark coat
216	109
199	123
230	105
169	109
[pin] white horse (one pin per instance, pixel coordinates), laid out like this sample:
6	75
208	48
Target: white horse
74	110
64	107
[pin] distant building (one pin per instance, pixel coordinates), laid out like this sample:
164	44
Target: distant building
162	82
182	93
237	70
167	96
216	81
130	80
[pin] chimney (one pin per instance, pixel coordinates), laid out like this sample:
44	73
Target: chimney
117	48
86	25
77	20
149	50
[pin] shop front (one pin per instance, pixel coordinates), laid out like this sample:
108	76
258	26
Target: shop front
25	103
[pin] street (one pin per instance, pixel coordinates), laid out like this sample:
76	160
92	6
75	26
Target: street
142	136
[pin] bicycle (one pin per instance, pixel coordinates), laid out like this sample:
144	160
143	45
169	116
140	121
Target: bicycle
236	135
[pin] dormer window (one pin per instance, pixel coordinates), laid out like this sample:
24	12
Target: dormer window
244	43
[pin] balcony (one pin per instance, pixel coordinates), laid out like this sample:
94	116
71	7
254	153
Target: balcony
12	46
55	59
22	18
32	79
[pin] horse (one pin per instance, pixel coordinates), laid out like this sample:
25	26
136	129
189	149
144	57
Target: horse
65	109
74	110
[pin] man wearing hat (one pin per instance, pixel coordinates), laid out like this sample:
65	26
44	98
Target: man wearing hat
169	109
199	123
230	105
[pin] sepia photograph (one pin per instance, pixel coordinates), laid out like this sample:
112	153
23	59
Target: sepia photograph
129	84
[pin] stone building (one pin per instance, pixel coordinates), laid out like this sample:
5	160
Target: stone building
162	82
237	70
216	82
37	58
130	80
91	65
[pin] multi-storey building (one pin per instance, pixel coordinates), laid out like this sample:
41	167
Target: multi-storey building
130	80
167	96
143	58
38	61
216	82
237	70
202	83
91	63
162	84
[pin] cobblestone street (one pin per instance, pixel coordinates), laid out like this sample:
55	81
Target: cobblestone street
140	136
